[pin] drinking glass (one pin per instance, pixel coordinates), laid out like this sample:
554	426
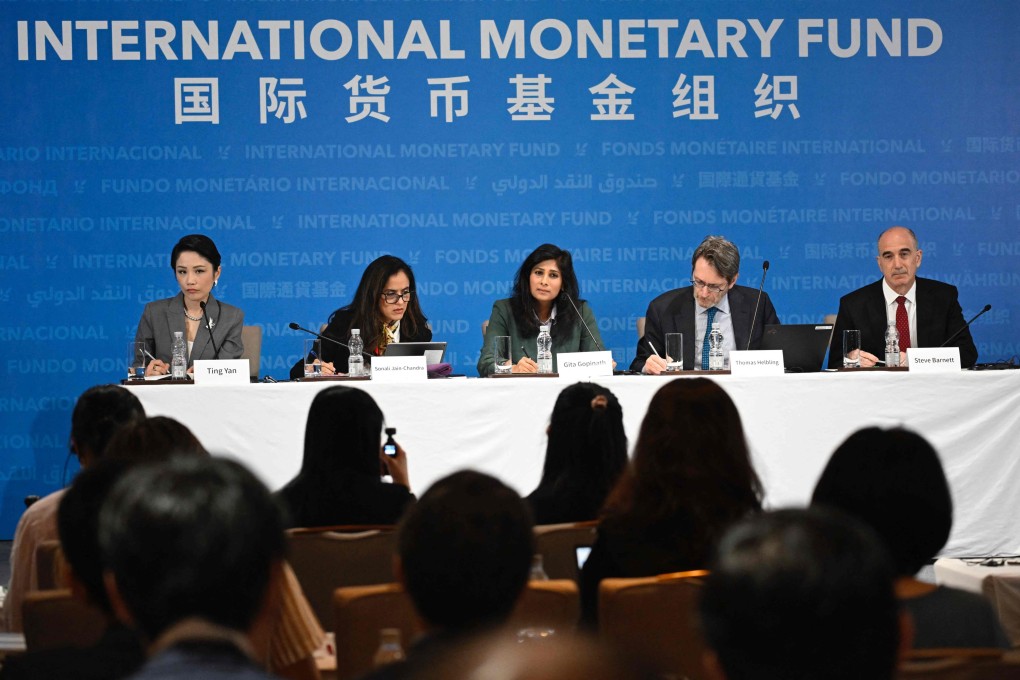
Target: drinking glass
674	352
503	354
852	349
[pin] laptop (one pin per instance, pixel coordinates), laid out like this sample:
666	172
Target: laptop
804	345
432	351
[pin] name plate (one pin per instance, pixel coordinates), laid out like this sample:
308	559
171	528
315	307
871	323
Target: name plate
399	369
584	364
757	362
934	359
221	372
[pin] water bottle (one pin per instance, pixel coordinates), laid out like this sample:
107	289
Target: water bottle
715	351
544	350
179	357
356	363
892	345
537	569
389	650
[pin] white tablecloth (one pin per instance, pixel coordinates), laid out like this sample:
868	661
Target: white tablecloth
792	422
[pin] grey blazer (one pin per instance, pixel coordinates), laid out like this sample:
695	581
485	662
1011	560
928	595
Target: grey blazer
161	318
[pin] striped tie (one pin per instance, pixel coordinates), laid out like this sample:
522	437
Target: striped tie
708	331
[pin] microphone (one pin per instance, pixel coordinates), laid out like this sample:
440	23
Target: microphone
295	327
208	325
764	271
585	323
965	326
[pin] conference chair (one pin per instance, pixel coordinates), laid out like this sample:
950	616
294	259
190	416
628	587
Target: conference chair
362	611
558	543
251	343
49	565
485	327
640	327
328	558
54	618
655	619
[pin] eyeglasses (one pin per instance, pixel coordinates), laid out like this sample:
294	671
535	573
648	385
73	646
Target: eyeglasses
714	287
392	296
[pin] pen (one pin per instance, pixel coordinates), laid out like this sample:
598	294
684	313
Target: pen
654	351
146	352
525	352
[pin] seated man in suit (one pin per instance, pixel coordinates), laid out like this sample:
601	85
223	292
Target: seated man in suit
802	594
464	554
926	312
194	548
712	296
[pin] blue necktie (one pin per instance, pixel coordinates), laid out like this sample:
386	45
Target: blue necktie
708	331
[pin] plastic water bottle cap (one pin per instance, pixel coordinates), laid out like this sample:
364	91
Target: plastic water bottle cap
543	329
178	334
355	331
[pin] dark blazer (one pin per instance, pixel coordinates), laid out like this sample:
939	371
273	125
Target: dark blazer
357	499
938	317
339	329
161	318
674	312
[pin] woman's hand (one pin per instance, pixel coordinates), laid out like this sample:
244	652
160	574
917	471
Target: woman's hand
396	466
525	365
157	367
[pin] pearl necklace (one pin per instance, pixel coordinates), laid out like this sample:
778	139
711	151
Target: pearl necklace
193	318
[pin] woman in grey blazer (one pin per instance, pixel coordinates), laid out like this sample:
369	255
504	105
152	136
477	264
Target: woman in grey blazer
196	262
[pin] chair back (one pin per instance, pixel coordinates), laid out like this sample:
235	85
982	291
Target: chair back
655	619
54	619
640	327
330	558
49	565
558	543
251	348
960	664
362	611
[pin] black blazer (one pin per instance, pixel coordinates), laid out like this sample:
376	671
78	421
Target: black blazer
674	312
339	329
161	318
938	317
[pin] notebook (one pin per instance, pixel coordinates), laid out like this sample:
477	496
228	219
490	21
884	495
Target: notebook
804	345
432	351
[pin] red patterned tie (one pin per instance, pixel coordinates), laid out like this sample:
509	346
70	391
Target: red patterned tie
902	324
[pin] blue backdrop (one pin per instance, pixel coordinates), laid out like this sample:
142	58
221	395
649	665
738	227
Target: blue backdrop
307	138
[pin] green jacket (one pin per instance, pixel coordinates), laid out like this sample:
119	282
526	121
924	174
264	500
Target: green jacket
501	322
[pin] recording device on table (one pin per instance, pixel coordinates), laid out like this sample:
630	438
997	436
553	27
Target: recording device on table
390	447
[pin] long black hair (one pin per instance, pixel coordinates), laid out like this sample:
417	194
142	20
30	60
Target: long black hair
587	449
366	316
523	304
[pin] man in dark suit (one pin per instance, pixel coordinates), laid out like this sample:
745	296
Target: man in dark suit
194	548
929	309
713	294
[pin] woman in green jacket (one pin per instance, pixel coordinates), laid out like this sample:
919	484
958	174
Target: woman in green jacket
544	287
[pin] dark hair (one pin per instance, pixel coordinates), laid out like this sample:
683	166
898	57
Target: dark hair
721	254
801	594
587	449
78	525
196	243
190	537
100	410
148	440
342	439
366	316
156	438
691	471
893	481
523	304
466	549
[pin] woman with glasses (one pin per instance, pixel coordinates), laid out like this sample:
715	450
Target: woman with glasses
544	292
385	309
